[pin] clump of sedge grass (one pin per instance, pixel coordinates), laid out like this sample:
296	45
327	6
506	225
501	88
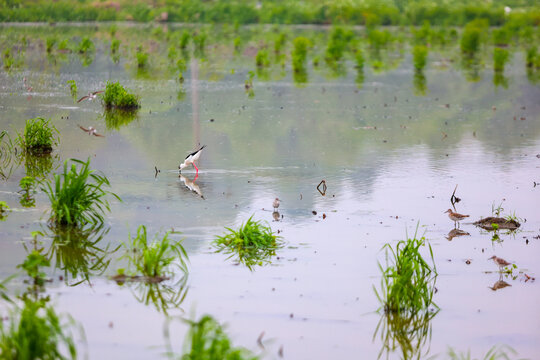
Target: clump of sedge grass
4	208
77	195
500	57
39	136
207	340
262	60
420	53
85	46
35	332
408	282
116	96
115	46
156	259
142	58
501	352
27	185
253	243
72	88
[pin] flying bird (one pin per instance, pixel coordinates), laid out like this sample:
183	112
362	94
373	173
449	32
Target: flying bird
90	96
191	158
91	131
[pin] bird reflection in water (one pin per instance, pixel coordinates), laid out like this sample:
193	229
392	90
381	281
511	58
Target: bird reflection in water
455	233
276	215
191	185
499	284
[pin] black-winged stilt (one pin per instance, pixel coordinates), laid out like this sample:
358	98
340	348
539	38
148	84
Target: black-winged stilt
191	158
91	131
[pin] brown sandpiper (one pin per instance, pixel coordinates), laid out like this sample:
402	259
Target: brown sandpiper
500	262
455	217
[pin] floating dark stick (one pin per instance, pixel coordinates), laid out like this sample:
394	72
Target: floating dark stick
323	183
157	171
454	199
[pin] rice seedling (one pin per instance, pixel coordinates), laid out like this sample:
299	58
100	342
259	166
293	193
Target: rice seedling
408	332
252	244
261	59
279	43
4	208
531	57
8	59
155	260
408	281
27	185
419	83
472	37
77	195
184	40
32	266
500	57
72	88
337	44
49	44
420	53
207	340
116	96
115	46
35	331
142	58
78	252
199	41
38	137
502	352
85	46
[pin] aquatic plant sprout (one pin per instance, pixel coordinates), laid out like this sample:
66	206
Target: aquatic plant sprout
35	331
39	136
156	259
253	243
207	340
408	281
77	195
116	96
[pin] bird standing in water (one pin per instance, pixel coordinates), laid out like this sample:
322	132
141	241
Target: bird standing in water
455	217
276	203
191	158
500	262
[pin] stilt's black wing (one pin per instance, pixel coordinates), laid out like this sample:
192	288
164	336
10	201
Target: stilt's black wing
195	152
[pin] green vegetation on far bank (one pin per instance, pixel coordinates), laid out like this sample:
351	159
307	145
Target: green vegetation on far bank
370	12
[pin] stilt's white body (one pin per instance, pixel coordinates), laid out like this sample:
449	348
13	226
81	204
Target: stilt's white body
191	158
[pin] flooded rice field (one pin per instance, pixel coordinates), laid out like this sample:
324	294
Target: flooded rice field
392	145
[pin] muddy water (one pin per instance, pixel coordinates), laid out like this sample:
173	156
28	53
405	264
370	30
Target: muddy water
315	300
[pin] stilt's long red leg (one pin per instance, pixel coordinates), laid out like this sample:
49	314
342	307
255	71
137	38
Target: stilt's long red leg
196	168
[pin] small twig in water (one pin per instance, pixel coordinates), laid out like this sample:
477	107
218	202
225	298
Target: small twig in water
157	171
454	199
259	340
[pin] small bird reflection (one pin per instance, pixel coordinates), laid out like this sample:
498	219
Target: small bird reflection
276	215
499	284
191	185
456	232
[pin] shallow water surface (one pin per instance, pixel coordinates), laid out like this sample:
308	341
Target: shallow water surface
391	160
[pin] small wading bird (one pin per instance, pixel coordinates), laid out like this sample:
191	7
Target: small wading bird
500	262
276	203
90	96
91	131
191	158
454	216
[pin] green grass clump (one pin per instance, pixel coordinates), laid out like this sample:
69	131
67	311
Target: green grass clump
420	53
184	40
77	195
337	44
471	38
49	44
154	259
116	96
299	53
501	352
262	60
500	57
407	284
142	58
253	243
35	332
8	59
27	185
38	137
4	207
85	46
72	88
115	46
532	58
207	340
